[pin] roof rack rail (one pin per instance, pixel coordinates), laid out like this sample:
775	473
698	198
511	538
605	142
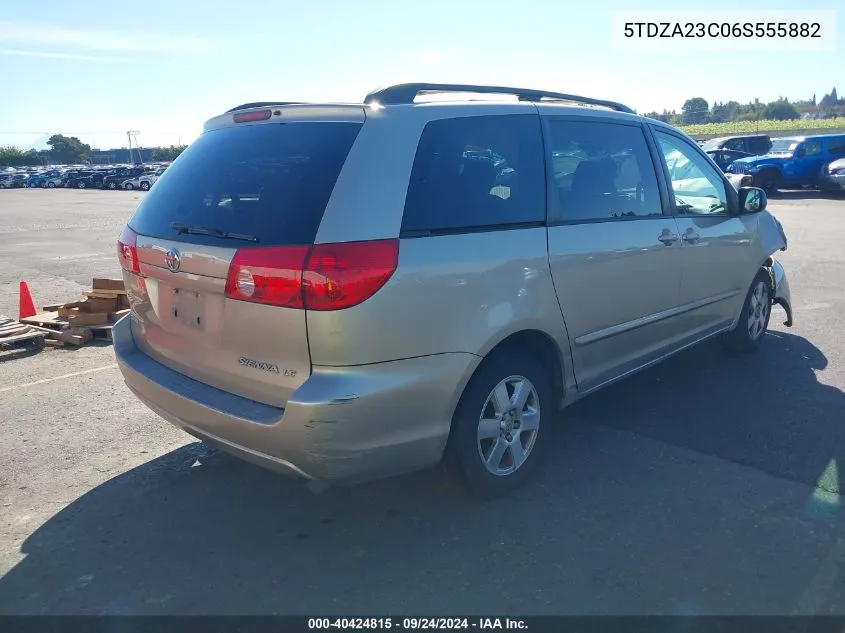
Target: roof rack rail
263	104
406	93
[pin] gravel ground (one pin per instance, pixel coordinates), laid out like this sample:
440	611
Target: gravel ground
705	485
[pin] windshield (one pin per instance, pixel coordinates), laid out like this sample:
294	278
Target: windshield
783	145
713	143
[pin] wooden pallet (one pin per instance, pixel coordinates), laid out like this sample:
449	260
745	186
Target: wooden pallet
17	335
78	322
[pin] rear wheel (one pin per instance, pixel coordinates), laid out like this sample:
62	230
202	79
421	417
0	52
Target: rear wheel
145	186
112	185
497	436
754	319
51	185
128	186
80	185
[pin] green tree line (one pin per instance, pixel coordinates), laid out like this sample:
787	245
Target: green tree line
697	110
68	150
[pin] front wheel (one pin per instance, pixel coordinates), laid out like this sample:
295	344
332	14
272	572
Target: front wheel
51	185
145	186
128	186
754	319
498	428
80	185
769	181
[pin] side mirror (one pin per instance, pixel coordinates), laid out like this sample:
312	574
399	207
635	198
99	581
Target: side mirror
751	200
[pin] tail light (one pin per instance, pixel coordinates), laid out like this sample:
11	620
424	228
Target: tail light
268	275
127	251
320	277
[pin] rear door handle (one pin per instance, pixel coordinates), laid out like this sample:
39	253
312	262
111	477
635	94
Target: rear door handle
667	237
691	237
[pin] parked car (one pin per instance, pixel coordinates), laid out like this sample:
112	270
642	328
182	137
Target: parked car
99	176
45	180
120	176
754	144
13	181
79	180
724	157
346	297
833	176
795	161
143	182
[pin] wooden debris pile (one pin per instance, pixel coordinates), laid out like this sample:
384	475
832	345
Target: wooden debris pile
90	318
17	336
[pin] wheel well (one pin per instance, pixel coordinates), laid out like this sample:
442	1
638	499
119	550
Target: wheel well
767	266
543	347
771	169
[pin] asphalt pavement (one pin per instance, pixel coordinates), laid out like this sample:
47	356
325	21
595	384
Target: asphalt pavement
706	485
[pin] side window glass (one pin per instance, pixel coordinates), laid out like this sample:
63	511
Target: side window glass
476	172
812	147
698	188
602	171
759	146
735	144
836	146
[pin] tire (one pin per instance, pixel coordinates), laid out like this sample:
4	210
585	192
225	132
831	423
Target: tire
80	185
753	321
466	450
769	181
112	185
128	186
51	185
145	186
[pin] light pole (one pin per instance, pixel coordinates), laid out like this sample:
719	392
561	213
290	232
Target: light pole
133	134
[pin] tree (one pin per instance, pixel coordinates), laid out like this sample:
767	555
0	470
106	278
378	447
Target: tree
68	150
834	97
11	156
724	111
695	110
162	154
780	110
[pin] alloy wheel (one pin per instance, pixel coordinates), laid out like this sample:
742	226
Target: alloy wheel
508	425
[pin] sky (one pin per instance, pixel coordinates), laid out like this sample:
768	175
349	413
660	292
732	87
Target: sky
96	69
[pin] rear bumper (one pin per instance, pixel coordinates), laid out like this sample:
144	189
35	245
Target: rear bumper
344	424
782	296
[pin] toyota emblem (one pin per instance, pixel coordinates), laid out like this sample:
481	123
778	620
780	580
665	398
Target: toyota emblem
173	260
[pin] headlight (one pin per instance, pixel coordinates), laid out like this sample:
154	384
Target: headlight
838	172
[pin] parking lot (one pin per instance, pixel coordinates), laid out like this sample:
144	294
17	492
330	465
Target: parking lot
705	485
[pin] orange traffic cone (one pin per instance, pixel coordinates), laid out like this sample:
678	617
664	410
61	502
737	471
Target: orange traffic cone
26	305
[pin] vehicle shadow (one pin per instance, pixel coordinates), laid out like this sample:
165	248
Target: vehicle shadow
765	410
806	194
614	522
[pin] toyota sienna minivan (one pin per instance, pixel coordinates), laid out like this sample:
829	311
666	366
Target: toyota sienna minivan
350	291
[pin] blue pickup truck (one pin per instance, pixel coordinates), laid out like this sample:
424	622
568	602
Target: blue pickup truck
795	161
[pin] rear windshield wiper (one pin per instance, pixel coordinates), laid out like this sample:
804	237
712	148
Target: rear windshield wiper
200	230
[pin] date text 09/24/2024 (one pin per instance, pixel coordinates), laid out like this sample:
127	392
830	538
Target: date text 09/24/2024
415	624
